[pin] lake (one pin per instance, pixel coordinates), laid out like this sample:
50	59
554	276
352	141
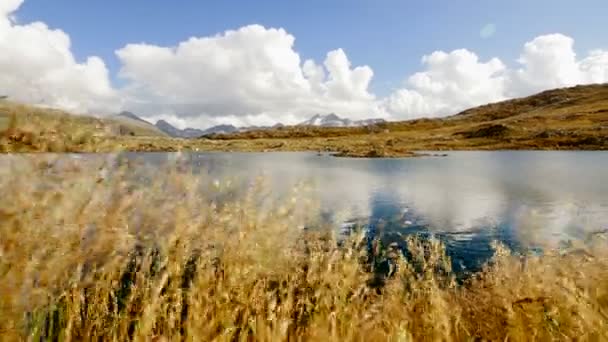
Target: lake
528	200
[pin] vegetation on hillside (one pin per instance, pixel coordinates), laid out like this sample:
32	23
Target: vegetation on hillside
33	129
562	119
89	252
570	118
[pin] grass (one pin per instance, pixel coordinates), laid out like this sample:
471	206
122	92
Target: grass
34	129
570	119
92	253
137	127
4	122
28	129
562	119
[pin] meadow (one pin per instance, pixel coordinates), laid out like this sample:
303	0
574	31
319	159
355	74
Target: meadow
561	119
89	251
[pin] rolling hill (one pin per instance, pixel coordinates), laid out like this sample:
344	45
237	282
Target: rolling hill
568	118
136	125
562	119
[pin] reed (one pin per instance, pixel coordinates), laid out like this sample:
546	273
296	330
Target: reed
89	252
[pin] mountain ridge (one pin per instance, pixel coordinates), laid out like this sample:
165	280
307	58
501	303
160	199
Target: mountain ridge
318	120
191	133
132	124
130	115
333	120
574	118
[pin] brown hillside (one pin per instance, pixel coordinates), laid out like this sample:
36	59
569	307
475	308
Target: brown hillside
562	119
568	118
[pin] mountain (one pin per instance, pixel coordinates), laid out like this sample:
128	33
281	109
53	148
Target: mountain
175	132
169	129
332	120
131	124
574	118
190	133
220	129
163	127
329	120
132	116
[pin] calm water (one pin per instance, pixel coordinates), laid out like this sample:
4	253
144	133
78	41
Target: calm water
528	200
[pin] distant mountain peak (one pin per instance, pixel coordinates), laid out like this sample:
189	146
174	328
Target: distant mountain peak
175	132
332	116
333	120
320	120
221	129
189	133
131	116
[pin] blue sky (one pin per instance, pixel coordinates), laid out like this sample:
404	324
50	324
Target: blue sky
389	35
356	58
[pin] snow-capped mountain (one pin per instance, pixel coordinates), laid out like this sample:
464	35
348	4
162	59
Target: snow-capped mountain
369	122
329	120
332	120
193	132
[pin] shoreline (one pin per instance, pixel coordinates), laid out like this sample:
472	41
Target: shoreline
19	143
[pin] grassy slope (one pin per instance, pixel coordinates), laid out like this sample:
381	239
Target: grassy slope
139	128
113	123
4	120
572	118
32	129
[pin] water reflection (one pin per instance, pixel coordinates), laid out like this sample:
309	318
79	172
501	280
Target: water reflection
528	200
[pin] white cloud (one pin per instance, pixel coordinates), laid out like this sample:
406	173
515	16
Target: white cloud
550	61
251	74
457	80
547	62
37	66
451	81
344	83
254	76
7	7
595	67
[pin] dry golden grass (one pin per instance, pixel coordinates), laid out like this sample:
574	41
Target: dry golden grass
29	129
33	129
561	119
87	254
4	122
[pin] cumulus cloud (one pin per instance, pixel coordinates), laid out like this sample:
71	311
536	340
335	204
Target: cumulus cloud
7	7
595	67
37	66
254	76
251	73
550	61
457	80
452	81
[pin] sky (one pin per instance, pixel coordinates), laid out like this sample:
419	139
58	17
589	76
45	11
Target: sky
201	63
